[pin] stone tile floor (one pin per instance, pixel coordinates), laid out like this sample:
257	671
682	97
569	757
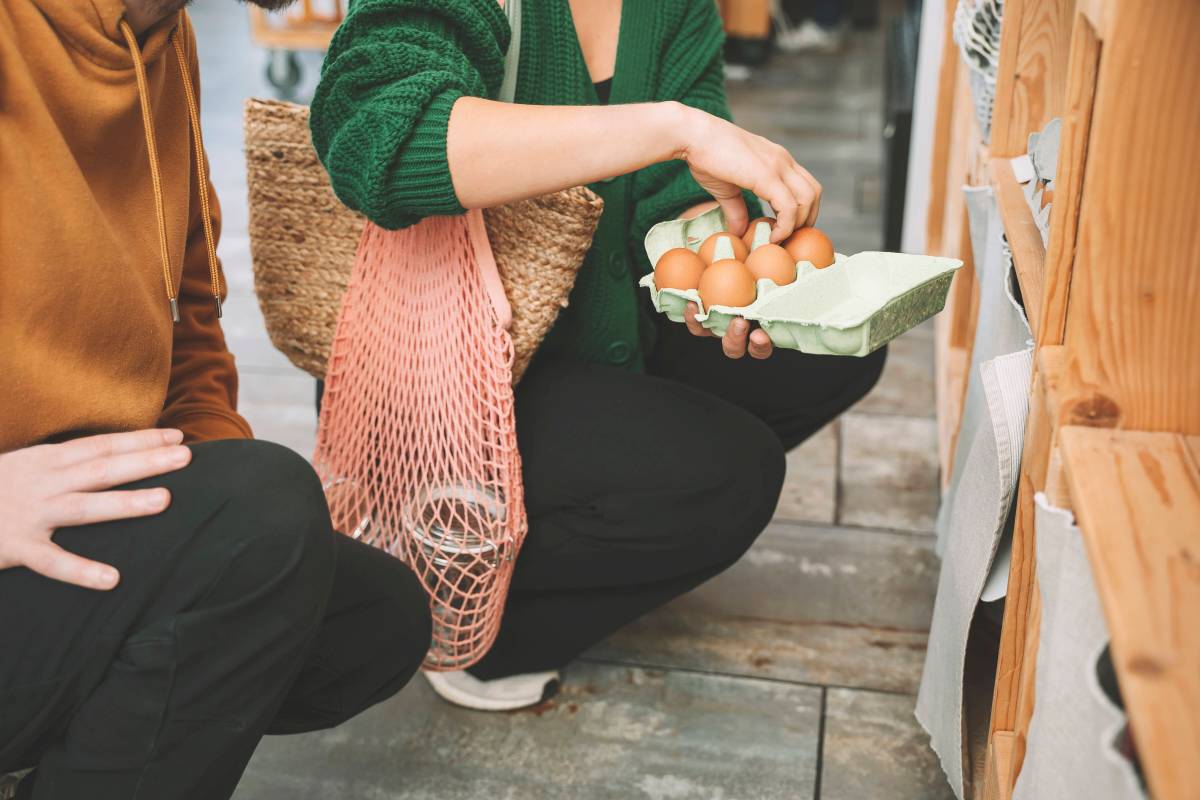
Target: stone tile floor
790	676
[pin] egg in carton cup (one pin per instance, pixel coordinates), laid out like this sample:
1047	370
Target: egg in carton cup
852	307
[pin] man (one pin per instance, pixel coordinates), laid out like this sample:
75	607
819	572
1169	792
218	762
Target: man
170	590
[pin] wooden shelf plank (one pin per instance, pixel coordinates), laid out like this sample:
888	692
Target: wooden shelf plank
1083	64
1137	499
1024	238
1051	361
999	781
1031	73
1131	327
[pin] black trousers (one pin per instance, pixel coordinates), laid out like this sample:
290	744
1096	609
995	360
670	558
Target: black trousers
640	487
240	612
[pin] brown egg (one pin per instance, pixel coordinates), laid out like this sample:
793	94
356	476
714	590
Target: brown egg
727	283
772	262
809	244
740	250
678	268
748	236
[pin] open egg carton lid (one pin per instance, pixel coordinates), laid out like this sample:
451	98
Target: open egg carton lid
850	308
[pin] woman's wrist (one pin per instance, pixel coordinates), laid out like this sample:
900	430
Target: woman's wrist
677	124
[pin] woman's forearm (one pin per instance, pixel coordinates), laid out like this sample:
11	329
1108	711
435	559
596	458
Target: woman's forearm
502	152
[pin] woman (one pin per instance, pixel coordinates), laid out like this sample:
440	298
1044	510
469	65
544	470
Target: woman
652	458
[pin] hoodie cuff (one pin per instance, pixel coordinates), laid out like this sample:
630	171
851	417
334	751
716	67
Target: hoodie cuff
208	425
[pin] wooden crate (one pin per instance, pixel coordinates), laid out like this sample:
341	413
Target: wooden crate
303	28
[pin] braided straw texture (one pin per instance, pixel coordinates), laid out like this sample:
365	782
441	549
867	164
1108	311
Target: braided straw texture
303	242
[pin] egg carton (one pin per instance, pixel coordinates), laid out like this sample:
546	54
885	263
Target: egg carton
850	308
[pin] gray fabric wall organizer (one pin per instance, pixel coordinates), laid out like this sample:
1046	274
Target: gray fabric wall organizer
1069	750
983	483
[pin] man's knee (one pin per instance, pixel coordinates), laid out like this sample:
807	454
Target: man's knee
399	617
273	513
408	640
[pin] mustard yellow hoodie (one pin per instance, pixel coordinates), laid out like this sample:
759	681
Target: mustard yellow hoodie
87	341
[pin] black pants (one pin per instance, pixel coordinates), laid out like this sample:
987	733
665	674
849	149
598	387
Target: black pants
239	613
640	487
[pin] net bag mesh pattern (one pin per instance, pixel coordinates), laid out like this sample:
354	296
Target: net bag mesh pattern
417	443
976	29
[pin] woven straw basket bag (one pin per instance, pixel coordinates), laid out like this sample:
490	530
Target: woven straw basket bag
303	242
420	333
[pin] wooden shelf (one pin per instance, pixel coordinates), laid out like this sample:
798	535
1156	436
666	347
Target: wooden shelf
1137	500
305	31
1114	346
1024	238
999	782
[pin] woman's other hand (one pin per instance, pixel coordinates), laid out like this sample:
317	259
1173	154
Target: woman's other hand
738	339
724	159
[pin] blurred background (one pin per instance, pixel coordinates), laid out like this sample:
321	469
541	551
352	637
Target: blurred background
792	675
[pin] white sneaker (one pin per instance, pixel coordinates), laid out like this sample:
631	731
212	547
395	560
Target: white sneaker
9	784
737	72
811	37
501	694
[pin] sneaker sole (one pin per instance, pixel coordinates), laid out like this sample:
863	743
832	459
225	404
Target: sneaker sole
455	696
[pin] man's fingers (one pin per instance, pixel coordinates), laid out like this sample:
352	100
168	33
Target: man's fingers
693	325
734	340
50	560
85	508
760	344
104	473
109	444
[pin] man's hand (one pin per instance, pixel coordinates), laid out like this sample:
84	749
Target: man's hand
738	339
53	486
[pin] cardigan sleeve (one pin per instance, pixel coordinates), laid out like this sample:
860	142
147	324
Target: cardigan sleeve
391	76
693	73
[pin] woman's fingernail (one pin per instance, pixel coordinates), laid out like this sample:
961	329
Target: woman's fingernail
172	436
106	577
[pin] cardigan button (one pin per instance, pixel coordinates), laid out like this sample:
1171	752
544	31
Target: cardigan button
619	352
616	265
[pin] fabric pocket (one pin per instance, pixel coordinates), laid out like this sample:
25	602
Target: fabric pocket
118	726
1070	750
976	506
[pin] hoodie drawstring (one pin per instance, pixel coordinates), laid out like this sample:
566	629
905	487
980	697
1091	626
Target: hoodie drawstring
201	168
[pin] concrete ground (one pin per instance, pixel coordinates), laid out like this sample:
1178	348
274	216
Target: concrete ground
791	676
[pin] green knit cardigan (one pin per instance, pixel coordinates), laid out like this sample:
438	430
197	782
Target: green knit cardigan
395	68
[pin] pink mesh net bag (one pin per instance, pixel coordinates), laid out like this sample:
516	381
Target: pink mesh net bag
417	443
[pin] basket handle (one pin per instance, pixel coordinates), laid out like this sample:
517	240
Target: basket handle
485	260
